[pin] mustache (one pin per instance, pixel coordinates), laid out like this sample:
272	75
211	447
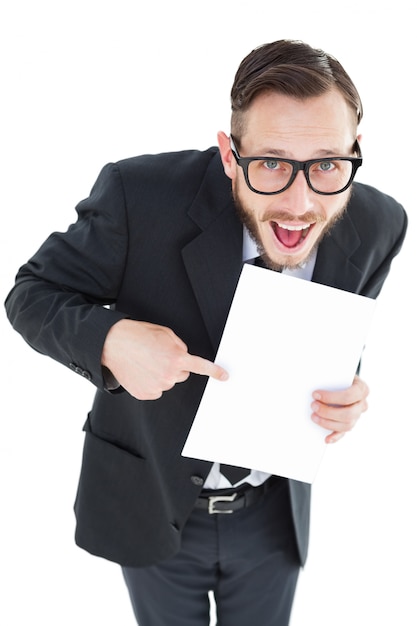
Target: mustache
283	216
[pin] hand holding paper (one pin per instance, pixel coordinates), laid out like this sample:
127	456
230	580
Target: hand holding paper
340	410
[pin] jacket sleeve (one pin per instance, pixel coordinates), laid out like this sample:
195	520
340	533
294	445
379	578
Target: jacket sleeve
62	299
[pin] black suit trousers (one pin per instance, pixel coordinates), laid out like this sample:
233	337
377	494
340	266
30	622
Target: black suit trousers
248	559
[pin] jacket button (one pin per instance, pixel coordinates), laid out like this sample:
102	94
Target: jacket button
79	370
197	481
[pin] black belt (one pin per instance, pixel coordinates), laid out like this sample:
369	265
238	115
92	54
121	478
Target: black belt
231	500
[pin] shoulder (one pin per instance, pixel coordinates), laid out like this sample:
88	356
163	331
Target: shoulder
170	167
163	158
375	213
369	203
160	174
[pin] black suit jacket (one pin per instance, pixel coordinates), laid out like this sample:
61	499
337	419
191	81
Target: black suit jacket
158	240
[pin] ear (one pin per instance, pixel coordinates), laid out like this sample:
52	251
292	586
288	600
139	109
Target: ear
229	163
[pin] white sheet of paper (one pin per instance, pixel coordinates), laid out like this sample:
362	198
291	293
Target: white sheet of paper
284	338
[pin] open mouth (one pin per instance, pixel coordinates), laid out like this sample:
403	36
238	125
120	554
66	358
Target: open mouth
291	235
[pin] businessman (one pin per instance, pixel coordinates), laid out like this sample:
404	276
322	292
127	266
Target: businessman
134	297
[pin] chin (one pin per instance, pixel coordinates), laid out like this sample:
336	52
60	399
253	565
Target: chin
283	262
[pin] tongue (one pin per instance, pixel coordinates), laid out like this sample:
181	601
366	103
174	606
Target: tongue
289	238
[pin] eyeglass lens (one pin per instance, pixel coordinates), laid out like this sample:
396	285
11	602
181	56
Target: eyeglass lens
328	176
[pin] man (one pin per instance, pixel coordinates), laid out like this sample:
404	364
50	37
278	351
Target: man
160	240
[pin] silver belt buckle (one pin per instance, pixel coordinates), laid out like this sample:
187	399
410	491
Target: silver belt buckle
213	499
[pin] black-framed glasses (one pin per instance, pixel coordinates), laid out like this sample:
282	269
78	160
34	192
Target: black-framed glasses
270	175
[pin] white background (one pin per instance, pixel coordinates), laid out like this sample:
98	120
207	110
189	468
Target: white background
92	81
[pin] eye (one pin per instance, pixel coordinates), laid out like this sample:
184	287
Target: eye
271	165
325	166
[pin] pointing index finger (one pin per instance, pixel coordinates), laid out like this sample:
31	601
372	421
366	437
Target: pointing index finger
204	367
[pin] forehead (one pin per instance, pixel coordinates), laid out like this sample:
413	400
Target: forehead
277	121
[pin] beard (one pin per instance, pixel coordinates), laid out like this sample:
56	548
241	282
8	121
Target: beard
247	218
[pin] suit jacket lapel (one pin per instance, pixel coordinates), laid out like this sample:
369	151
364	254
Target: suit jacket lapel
213	260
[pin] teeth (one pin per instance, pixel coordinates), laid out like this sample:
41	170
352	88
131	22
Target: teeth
287	227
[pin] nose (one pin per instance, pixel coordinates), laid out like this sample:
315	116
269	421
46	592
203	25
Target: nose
299	198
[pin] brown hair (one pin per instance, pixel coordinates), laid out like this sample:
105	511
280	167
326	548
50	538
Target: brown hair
292	68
